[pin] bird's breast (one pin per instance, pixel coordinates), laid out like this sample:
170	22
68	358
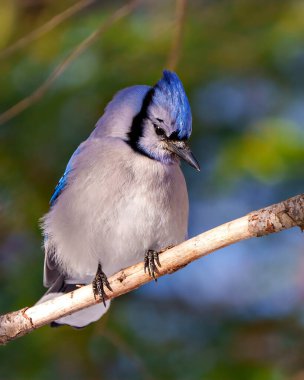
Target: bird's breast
117	205
151	213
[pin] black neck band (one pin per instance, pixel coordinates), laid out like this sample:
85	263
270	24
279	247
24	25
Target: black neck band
136	130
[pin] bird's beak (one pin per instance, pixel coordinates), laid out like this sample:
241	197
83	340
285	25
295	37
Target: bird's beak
182	150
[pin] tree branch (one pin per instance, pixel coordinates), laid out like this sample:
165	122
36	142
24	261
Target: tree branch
176	47
48	26
275	218
42	89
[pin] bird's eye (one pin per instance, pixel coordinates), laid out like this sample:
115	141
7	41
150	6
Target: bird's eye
159	131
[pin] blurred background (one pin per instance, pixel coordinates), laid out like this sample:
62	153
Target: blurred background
236	314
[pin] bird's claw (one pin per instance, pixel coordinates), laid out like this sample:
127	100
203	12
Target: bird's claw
151	262
99	282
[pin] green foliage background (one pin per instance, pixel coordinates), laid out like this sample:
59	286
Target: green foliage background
224	42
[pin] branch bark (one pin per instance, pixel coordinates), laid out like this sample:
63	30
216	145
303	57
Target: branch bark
275	218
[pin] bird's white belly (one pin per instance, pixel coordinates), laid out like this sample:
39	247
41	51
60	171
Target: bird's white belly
139	228
117	231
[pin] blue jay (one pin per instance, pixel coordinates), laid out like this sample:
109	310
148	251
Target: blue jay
123	196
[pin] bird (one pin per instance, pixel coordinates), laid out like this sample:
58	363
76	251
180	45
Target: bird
123	197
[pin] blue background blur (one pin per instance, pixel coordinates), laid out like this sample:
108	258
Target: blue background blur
237	314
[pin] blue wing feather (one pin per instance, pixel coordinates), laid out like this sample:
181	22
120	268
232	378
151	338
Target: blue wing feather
63	180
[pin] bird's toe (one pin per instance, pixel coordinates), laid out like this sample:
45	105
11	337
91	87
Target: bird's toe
151	263
99	282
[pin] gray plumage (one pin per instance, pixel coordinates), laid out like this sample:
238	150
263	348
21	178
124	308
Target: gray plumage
122	195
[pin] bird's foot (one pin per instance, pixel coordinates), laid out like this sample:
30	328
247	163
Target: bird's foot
99	282
151	262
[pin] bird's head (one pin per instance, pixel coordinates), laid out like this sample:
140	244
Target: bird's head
163	126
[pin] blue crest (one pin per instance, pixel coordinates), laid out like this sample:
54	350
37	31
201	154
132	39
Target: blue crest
169	93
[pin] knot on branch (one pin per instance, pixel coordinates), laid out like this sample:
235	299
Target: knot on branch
287	214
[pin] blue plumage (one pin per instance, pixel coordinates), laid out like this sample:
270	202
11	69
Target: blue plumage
169	93
60	186
63	180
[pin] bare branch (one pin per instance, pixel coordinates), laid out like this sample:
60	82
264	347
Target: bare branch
48	26
284	215
177	40
40	91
